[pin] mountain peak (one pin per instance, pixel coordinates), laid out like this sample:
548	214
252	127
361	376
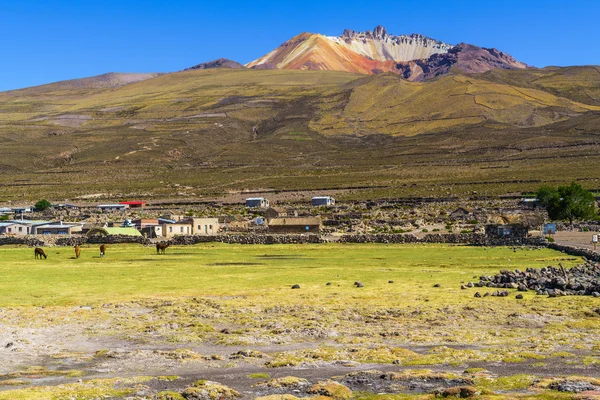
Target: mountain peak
414	56
220	63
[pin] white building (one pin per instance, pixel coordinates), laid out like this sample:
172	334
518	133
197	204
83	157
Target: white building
260	202
323	201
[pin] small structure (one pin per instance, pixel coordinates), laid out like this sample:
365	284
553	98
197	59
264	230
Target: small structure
515	230
295	225
5	210
178	228
65	206
322	201
460	214
13	228
257	202
113	231
152	231
532	204
134	204
27	226
112	207
57	229
549	229
22	210
202	226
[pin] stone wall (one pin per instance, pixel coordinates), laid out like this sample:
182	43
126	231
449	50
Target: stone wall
474	239
247	239
575	251
62	240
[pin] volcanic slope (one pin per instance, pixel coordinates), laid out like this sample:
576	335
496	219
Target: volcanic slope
414	57
223	129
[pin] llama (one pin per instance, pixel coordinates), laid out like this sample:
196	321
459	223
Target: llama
102	250
40	253
161	247
77	251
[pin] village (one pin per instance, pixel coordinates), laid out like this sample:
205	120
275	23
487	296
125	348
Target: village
320	215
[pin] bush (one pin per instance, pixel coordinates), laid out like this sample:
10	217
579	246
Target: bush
550	239
425	230
466	231
472	222
42	205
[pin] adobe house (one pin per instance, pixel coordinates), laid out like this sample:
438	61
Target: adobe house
295	225
178	228
203	226
13	228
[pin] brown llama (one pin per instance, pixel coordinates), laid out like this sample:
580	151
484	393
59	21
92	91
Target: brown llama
40	253
102	250
161	247
77	251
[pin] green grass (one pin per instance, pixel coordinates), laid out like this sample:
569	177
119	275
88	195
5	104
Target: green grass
130	272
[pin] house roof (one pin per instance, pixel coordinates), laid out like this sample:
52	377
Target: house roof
294	221
56	226
29	222
5	224
133	203
322	197
255	198
114	231
110	205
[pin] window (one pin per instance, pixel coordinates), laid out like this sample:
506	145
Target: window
181	229
170	229
20	229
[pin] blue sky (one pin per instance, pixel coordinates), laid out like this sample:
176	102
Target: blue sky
52	40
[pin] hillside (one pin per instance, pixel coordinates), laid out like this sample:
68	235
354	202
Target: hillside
212	131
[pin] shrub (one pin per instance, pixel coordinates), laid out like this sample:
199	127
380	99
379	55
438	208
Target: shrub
550	239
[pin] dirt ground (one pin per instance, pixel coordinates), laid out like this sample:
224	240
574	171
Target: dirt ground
578	239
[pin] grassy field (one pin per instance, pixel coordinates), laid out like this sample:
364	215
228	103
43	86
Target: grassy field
135	315
260	274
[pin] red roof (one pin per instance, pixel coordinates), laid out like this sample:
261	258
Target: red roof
133	203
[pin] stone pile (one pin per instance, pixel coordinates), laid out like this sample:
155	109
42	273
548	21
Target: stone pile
581	280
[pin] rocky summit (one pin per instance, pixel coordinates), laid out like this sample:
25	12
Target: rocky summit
415	57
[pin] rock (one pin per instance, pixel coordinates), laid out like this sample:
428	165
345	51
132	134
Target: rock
296	286
460	392
486	294
470	284
463	287
328	284
359	284
331	389
206	390
519	296
573	386
390	281
437	285
477	294
595	294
